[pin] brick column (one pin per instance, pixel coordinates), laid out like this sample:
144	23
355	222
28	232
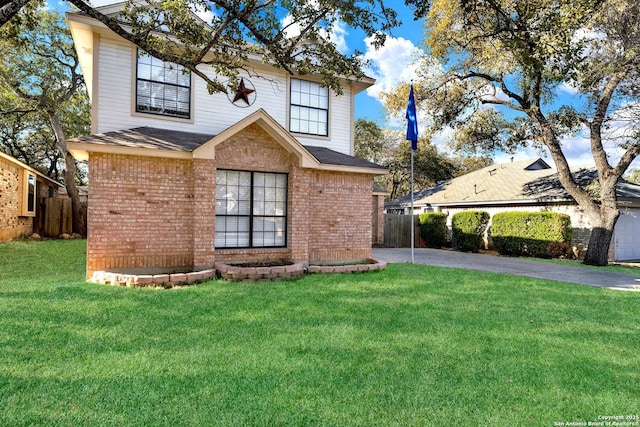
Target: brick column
204	203
299	214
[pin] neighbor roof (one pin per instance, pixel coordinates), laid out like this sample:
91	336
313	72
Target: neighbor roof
525	181
506	182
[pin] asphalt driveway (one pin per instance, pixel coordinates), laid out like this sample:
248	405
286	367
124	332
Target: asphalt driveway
518	266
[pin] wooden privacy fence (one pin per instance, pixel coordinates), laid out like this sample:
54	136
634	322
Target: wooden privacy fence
57	217
397	231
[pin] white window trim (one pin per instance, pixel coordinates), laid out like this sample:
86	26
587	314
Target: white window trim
27	177
329	107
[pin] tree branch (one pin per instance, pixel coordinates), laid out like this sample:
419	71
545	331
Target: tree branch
10	8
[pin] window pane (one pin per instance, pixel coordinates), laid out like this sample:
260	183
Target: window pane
258	179
234	214
163	88
270	180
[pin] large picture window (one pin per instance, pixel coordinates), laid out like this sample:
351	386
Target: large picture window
309	109
162	88
251	209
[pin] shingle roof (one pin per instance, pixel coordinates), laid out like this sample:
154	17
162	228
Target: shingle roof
173	140
515	182
148	137
330	157
499	182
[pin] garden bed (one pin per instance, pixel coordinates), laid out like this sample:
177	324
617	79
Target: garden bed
251	272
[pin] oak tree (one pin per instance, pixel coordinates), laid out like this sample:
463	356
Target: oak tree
503	67
40	71
294	35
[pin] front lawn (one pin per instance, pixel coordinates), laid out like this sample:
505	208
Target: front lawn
408	346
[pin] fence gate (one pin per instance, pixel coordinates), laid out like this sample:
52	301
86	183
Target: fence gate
397	231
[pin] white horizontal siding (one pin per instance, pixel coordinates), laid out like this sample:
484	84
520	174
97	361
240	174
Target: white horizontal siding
339	126
211	114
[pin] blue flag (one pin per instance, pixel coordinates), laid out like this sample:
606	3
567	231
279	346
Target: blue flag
412	121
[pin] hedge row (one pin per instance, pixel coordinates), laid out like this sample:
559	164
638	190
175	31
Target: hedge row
536	234
433	229
467	229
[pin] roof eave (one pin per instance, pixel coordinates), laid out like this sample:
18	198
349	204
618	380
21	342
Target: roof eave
81	150
497	202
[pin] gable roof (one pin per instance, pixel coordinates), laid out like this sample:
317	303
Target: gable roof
495	183
154	142
527	181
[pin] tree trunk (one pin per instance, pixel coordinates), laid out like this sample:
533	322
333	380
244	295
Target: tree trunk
598	250
601	236
69	177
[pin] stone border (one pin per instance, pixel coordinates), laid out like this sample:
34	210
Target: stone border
228	272
236	274
147	280
349	268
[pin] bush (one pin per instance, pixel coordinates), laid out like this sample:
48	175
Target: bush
433	229
536	234
468	228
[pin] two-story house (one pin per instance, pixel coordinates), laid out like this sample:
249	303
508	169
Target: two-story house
180	179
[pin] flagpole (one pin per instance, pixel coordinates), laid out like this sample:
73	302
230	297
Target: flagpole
412	135
412	213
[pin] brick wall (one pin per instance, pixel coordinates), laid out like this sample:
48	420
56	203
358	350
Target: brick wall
340	227
140	214
204	203
153	214
12	226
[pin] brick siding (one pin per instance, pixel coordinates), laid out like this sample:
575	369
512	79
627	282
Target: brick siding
152	214
140	213
340	227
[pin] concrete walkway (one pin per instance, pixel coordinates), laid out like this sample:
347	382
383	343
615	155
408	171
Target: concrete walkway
518	266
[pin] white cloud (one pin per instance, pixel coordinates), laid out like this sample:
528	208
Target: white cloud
568	88
206	15
392	63
338	35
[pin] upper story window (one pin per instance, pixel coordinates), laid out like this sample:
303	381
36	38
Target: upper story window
309	109
162	88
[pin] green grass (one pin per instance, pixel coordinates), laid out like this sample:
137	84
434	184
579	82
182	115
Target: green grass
408	346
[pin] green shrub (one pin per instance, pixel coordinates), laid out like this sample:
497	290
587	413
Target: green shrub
468	228
433	229
536	234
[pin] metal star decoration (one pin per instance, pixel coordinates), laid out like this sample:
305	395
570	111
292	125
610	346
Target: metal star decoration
242	93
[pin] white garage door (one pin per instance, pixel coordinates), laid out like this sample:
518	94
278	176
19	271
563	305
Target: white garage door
627	235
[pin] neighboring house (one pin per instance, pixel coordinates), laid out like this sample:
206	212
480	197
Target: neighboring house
179	179
21	190
83	193
530	185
